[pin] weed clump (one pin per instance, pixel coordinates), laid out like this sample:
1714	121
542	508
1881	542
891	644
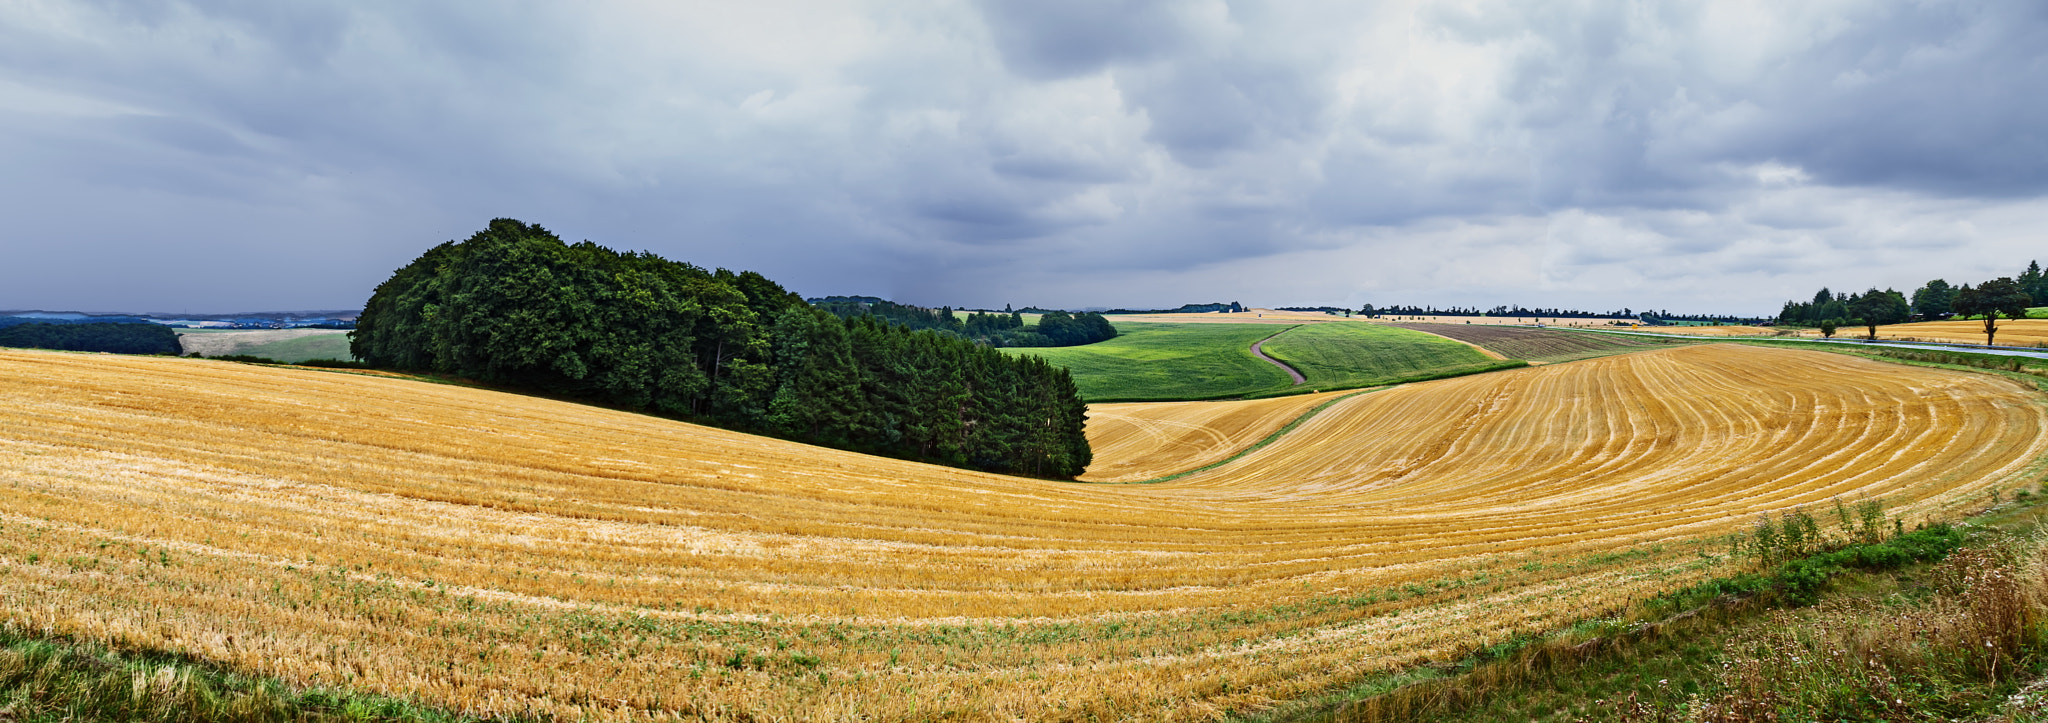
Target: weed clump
1954	653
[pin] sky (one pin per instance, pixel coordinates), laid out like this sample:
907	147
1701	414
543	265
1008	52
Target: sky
1709	157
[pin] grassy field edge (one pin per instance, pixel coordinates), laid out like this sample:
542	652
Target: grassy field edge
1655	638
52	678
1666	624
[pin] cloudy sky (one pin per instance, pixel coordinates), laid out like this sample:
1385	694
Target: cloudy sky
1716	156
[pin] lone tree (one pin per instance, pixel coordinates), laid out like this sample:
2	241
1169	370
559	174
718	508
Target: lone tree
1877	308
1990	299
1827	328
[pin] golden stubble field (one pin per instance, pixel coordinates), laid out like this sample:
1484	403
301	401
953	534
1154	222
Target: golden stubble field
1732	330
2011	332
490	552
1137	442
1529	321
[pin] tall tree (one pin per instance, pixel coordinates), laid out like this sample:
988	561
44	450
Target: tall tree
1933	299
2033	281
1877	308
2001	296
818	396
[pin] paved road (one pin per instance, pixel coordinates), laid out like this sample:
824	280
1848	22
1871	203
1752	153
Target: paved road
1258	350
1970	348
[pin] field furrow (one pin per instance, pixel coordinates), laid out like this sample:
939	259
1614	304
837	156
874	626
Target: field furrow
1135	442
499	553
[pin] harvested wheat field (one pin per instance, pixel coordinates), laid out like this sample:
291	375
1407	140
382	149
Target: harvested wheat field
1148	440
1541	345
1248	316
2011	332
1530	321
1731	330
489	552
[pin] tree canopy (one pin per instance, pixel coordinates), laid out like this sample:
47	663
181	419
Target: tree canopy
1933	300
1877	308
516	306
1991	299
1054	328
113	338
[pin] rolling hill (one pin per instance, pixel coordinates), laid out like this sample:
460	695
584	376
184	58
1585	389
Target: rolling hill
494	553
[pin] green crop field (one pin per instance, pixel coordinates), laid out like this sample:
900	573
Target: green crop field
1151	361
1341	355
285	345
1155	361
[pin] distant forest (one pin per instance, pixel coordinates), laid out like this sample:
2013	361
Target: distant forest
110	337
1054	328
1648	317
2004	296
515	306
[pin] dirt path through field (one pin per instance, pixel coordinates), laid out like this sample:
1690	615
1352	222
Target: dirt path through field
1258	350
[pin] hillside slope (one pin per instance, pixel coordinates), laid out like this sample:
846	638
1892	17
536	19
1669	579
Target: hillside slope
498	553
1151	361
1348	355
1543	345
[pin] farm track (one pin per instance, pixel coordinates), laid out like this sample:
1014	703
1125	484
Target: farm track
1258	350
491	552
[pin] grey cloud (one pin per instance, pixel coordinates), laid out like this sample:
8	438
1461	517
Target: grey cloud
1942	97
1049	39
1082	153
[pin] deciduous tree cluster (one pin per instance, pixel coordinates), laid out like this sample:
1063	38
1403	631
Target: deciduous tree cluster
514	305
2004	297
1054	328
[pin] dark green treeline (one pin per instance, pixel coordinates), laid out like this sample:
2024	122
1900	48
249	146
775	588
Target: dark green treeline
114	338
1054	328
516	306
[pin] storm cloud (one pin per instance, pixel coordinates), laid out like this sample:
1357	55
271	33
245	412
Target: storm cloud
1710	157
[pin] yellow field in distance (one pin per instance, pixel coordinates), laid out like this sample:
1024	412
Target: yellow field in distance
1732	330
2011	332
1529	321
498	553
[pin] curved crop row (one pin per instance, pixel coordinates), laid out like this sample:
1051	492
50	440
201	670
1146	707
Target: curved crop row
1542	345
1140	441
498	553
